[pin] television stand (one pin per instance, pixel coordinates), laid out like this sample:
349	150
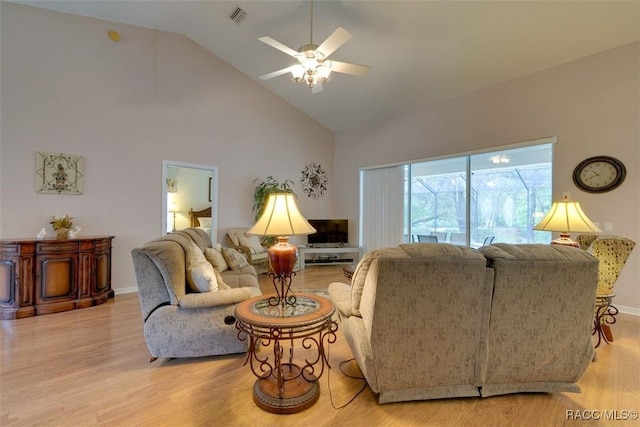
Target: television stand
304	250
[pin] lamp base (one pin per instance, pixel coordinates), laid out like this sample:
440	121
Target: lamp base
282	258
565	240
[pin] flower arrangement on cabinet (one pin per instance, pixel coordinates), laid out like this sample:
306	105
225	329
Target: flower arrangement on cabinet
57	222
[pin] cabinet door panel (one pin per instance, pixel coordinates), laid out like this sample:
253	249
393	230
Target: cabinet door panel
57	278
103	271
7	281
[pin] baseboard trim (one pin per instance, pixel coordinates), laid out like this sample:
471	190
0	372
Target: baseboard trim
128	290
627	310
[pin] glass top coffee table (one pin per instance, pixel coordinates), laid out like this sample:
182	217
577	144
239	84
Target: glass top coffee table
284	386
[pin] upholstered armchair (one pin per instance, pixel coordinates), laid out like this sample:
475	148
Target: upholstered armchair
178	321
612	253
250	247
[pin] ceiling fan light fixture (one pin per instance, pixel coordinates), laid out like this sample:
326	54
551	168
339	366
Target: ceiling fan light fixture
312	78
324	71
309	63
298	73
313	67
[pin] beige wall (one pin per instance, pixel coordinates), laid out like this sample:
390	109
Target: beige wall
591	105
126	107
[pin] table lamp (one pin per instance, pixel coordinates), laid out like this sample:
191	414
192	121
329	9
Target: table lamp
174	210
566	217
281	218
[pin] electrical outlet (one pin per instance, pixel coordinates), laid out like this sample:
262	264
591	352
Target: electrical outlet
608	226
597	224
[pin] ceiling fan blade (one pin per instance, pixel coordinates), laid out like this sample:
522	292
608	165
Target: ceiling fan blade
317	88
278	73
276	44
344	67
334	41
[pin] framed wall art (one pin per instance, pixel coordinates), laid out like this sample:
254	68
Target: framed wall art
172	185
59	173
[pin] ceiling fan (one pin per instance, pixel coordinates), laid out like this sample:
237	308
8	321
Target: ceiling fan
313	67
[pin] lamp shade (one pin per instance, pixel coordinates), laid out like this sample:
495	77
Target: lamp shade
566	216
281	217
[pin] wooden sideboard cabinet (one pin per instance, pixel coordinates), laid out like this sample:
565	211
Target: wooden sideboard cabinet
53	275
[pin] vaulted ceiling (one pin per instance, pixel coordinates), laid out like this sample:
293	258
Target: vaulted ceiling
419	51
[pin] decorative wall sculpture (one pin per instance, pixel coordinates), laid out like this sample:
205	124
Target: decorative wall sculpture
314	180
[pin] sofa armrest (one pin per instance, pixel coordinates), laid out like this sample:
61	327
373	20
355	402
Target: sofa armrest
215	298
340	294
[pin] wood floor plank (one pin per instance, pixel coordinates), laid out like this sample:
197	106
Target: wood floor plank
90	367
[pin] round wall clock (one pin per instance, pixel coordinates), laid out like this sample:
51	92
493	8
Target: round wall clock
599	174
314	180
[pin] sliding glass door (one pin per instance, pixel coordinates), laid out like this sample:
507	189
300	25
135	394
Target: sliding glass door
468	200
437	200
511	192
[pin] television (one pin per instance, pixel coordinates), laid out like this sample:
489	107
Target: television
329	231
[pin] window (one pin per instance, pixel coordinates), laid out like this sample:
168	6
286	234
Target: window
469	200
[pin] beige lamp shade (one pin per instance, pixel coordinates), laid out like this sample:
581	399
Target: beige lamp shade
566	217
281	217
174	208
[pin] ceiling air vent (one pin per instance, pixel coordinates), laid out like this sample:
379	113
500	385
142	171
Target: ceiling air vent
238	15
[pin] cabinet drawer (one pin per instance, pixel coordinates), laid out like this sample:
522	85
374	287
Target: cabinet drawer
103	244
55	248
10	249
95	245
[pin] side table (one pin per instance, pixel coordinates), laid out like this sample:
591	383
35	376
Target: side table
349	270
605	316
283	386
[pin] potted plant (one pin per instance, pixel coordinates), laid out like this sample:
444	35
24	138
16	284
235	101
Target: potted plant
266	187
261	194
61	225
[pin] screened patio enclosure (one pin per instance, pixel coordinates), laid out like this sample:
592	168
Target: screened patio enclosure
472	200
505	204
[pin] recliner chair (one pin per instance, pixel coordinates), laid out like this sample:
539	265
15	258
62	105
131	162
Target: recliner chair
177	321
253	251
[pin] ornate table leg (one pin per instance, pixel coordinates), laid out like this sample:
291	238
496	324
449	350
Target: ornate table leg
605	316
284	387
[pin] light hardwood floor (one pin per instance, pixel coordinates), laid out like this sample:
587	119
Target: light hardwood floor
91	367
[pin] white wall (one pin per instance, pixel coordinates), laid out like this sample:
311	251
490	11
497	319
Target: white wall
66	87
592	105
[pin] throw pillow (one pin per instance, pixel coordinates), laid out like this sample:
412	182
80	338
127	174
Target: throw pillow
235	260
215	257
202	277
200	273
205	222
221	285
252	242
